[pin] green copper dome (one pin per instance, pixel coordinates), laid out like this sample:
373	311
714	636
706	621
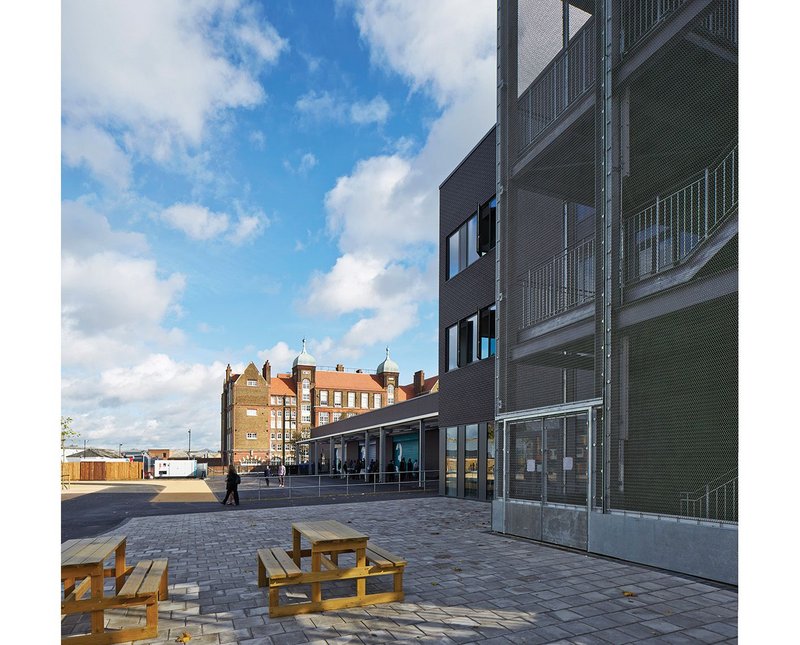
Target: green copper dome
388	365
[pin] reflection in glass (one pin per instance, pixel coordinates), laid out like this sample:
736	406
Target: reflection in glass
471	461
525	459
490	456
451	457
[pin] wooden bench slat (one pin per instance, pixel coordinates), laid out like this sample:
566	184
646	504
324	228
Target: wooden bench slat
273	567
291	569
396	560
131	587
152	581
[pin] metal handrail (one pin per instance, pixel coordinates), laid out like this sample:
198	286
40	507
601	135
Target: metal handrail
354	483
565	79
718	502
640	17
665	232
559	284
723	22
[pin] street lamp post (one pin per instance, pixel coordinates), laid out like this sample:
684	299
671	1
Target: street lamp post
190	444
120	450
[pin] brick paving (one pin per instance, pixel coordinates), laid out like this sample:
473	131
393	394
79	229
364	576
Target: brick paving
463	584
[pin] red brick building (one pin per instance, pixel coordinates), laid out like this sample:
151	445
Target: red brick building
263	416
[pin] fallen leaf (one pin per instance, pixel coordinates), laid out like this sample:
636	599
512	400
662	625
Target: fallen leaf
457	569
628	594
184	638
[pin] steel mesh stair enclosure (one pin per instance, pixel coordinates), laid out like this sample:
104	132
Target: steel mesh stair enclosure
718	500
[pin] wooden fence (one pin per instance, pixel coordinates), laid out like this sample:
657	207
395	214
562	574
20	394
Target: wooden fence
102	470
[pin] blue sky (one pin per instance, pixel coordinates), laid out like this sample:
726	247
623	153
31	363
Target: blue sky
237	176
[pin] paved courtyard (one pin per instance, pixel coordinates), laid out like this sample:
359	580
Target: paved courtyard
463	584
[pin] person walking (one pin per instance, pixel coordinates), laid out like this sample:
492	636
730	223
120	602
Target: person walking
281	474
266	474
402	469
232	482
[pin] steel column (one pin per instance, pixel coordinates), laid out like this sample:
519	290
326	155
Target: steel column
382	454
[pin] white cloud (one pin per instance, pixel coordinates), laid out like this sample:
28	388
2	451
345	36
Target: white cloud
108	408
408	38
97	150
374	111
153	73
85	231
258	139
384	214
197	222
108	291
306	163
324	106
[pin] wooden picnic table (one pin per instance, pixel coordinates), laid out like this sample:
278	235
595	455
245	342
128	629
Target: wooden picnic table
83	569
83	559
328	539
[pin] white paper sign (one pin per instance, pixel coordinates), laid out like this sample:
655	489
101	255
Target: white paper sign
531	466
567	463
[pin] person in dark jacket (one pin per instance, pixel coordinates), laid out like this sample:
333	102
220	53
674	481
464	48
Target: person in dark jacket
232	482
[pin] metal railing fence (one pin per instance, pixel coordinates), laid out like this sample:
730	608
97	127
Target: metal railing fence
565	79
639	17
254	484
718	500
723	21
561	283
663	233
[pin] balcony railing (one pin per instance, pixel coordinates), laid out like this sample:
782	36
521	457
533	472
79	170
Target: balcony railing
723	22
566	78
639	17
560	284
717	500
668	229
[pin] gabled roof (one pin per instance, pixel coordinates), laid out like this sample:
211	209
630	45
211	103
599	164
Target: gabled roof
430	385
348	381
98	452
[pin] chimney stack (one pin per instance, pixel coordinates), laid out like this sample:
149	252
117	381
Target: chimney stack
266	372
419	382
339	367
228	373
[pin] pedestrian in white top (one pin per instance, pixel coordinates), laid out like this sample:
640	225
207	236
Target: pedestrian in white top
281	474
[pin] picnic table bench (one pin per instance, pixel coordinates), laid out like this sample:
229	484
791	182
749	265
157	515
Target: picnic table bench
143	584
328	540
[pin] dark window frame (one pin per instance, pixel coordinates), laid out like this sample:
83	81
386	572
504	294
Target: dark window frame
469	337
483	220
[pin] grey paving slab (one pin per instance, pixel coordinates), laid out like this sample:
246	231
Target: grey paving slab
463	583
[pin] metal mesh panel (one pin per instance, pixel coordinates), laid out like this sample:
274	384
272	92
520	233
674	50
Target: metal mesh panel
669	442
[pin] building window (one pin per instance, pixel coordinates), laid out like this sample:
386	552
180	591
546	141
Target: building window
324	418
278	400
280	436
487	227
294	413
286	413
305	413
306	390
337	416
468	340
294	425
452	348
351	399
376	400
323	397
252	383
272	400
473	239
471	460
364	400
252	435
279	419
337	399
272	436
252	413
451	462
291	400
272	418
471	339
487	332
390	395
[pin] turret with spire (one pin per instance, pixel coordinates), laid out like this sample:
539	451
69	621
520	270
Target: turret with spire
389	371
